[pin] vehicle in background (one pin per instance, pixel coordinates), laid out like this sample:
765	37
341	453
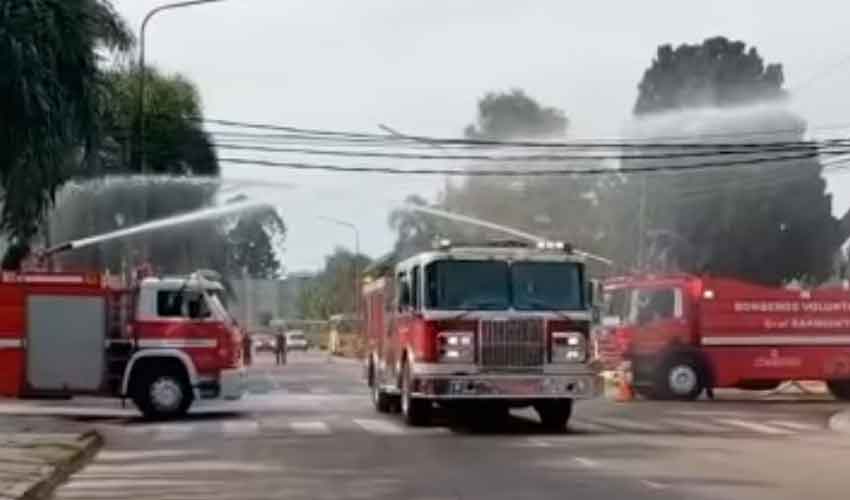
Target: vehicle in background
263	343
682	334
296	341
345	335
163	342
480	328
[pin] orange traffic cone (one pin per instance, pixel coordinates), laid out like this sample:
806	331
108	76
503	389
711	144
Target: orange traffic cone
624	385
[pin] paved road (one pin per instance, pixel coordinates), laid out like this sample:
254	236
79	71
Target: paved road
315	436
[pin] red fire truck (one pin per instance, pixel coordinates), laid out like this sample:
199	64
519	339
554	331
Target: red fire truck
485	327
164	342
682	334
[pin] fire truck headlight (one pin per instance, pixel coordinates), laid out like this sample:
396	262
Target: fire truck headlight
568	347
456	346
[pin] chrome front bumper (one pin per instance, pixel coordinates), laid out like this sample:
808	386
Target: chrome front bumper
518	387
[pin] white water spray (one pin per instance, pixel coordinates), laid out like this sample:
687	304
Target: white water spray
497	227
168	222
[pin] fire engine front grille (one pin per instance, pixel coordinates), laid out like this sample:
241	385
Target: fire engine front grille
514	343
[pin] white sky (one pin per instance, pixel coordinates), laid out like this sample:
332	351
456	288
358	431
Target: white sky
420	66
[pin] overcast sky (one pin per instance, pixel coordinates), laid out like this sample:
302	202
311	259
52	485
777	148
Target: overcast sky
420	66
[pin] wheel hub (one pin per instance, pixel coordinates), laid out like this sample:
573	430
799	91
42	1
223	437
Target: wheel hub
683	379
166	394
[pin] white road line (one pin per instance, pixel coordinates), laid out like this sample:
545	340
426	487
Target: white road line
172	432
754	426
127	456
582	425
654	485
240	428
694	425
310	427
384	427
797	426
586	462
628	425
539	443
319	390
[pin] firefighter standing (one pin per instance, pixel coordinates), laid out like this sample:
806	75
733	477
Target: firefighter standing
246	348
280	348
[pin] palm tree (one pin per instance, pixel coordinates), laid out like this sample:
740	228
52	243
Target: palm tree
50	85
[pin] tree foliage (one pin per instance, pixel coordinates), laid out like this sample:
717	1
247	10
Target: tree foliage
332	290
717	72
769	222
49	87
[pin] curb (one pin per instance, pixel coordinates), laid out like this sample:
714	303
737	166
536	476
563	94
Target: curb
840	422
42	488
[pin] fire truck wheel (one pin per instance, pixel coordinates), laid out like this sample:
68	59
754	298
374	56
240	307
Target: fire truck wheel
163	395
681	377
416	411
554	415
839	388
380	399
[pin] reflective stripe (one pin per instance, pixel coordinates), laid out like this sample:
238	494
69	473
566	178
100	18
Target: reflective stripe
11	343
179	343
38	278
777	340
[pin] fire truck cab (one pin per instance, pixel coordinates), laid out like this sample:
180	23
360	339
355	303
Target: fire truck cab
680	334
485	327
163	342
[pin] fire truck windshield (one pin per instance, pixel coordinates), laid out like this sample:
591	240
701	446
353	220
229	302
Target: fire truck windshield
546	286
498	285
468	284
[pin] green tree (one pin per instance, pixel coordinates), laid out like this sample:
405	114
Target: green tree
767	222
512	115
565	208
50	52
253	244
332	290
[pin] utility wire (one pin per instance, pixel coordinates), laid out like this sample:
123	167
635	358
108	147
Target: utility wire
522	172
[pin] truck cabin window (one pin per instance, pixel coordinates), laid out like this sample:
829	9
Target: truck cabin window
546	286
176	303
467	284
617	304
499	285
655	304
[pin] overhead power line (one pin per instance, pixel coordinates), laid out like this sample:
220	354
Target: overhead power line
502	172
619	143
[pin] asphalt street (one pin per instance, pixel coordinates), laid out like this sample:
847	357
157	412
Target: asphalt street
314	435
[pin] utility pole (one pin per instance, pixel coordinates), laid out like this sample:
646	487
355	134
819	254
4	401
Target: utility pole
641	223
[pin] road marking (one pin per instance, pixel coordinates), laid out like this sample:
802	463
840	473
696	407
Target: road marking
797	426
586	462
380	426
693	425
240	428
582	425
312	428
539	443
754	426
126	456
319	390
172	432
629	425
654	485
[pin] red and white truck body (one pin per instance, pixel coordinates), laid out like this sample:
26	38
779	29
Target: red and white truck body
485	327
682	334
164	342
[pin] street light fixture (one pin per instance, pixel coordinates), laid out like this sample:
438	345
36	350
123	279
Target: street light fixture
140	125
349	225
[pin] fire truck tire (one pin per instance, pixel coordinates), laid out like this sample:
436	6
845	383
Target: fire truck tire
681	377
840	389
554	415
380	399
416	411
163	395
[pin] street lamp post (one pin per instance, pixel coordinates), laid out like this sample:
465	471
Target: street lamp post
140	122
354	265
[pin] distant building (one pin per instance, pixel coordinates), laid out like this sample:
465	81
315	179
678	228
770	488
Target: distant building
260	300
